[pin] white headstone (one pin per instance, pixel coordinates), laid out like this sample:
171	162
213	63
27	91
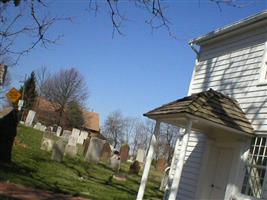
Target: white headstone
75	132
82	137
47	144
141	154
115	162
71	150
59	129
72	140
37	126
30	118
94	150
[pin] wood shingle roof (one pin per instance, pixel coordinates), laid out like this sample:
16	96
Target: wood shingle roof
209	105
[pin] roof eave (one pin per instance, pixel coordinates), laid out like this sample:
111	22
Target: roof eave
229	28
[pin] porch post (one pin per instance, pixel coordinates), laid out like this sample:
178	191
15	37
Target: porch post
149	159
178	171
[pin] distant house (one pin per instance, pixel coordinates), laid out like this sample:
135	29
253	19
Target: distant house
46	114
222	151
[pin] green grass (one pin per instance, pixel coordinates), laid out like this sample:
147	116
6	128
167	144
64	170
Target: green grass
33	167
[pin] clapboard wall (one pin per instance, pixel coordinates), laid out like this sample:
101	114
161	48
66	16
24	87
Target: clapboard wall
233	66
192	164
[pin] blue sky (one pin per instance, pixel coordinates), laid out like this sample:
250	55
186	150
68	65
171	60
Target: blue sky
140	70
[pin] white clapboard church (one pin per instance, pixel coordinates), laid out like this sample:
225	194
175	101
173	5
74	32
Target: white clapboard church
222	151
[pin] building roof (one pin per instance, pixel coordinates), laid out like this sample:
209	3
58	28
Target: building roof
209	105
251	20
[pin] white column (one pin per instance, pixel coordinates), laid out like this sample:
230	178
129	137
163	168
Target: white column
178	172
149	159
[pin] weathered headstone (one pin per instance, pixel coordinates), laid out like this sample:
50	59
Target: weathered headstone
48	134
59	129
83	135
161	164
72	140
115	162
141	154
71	150
30	118
43	128
94	150
106	152
66	134
75	132
47	144
124	152
8	129
58	150
134	167
37	126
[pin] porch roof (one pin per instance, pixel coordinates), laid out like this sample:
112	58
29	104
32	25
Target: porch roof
209	105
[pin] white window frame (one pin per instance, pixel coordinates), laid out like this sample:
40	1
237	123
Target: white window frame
263	70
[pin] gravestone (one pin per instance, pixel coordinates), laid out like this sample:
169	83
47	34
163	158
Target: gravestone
59	129
115	162
58	150
134	168
141	154
71	150
83	135
48	134
43	128
72	140
47	144
75	132
106	152
66	134
37	126
8	129
124	152
30	118
94	150
86	145
161	164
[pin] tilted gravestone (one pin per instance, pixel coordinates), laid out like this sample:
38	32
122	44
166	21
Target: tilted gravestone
72	140
30	118
106	152
58	150
94	150
141	154
37	126
8	129
124	152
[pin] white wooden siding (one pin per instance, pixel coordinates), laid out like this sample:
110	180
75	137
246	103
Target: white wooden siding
191	168
233	66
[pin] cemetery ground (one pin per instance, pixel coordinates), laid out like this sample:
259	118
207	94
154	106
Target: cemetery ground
33	167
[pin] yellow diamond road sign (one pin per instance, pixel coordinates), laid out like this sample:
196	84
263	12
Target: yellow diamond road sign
13	95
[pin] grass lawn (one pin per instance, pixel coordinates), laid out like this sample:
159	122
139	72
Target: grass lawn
33	167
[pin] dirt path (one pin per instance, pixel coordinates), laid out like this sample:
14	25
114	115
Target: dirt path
20	192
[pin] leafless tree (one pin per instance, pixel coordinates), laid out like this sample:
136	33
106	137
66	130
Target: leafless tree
26	20
65	87
42	75
114	127
166	141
